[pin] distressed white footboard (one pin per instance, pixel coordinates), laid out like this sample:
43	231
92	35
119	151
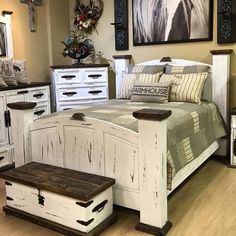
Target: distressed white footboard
137	161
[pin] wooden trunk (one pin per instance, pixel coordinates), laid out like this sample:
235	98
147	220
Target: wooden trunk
76	200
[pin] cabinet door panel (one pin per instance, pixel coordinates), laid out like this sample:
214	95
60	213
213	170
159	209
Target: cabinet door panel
3	129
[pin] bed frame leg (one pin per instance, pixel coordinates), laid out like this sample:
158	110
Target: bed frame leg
21	117
153	171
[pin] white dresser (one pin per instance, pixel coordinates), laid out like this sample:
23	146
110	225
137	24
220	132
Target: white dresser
75	85
35	92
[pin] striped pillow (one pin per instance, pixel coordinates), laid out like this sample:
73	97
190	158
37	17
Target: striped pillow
171	69
129	80
185	87
146	69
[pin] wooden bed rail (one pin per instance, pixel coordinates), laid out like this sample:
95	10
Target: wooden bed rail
152	126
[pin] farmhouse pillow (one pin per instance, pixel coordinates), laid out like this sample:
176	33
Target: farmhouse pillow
146	69
129	79
185	87
19	67
8	72
2	83
153	92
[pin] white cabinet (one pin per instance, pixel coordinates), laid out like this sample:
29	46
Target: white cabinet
74	86
35	92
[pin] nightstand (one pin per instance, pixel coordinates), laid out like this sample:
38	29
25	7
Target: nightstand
233	137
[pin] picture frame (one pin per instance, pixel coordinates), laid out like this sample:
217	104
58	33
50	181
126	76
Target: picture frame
163	21
6	49
3	42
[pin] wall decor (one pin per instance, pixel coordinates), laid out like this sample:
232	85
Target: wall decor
3	48
164	21
226	17
31	12
121	24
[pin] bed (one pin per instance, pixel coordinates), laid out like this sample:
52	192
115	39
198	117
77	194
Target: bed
136	157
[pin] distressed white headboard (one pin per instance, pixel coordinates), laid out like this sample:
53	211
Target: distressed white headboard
219	75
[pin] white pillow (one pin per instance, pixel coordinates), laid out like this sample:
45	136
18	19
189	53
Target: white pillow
128	80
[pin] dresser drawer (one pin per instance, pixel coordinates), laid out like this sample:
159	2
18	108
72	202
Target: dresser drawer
38	95
41	110
69	76
4	157
95	76
97	92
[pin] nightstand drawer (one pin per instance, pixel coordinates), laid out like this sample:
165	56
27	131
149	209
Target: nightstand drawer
97	92
69	76
38	95
40	110
4	157
95	76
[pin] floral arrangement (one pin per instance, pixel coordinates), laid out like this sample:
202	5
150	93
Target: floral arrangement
77	46
87	15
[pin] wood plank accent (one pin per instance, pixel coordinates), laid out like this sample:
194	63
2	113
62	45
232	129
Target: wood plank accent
22	105
58	227
7	167
221	52
24	86
151	114
71	183
233	111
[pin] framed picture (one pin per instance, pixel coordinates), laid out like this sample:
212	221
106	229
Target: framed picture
3	40
165	21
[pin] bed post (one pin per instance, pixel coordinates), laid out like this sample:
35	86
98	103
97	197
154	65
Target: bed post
121	64
21	116
221	76
152	127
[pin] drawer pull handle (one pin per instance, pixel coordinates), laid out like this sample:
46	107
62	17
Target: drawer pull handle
8	183
95	92
1	158
95	76
68	77
65	109
9	198
84	204
39	113
38	95
23	92
69	93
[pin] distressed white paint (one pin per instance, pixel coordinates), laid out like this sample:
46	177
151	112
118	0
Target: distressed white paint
58	208
6	19
232	140
153	172
82	82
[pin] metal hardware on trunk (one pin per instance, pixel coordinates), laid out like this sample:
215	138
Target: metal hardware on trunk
8	183
84	204
40	198
85	223
100	206
9	198
2	158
